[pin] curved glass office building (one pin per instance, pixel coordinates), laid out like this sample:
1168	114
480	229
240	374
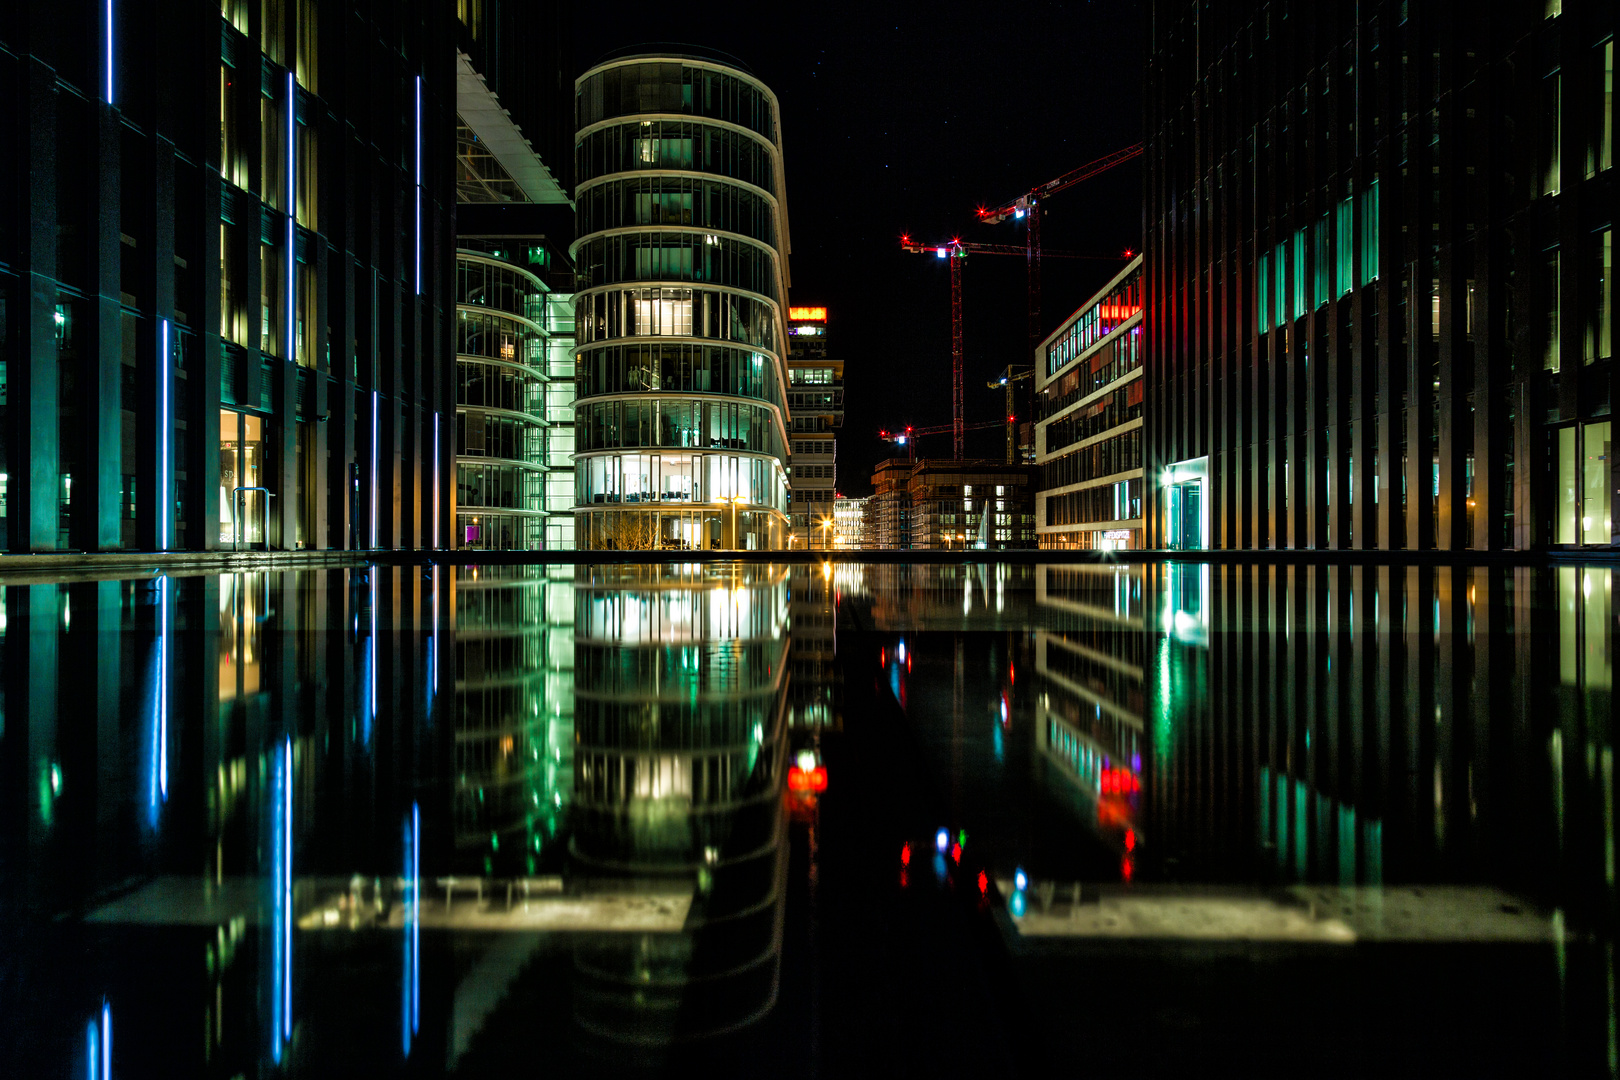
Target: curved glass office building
681	420
501	339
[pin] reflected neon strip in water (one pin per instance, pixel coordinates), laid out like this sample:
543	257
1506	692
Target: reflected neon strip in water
411	985
106	1041
286	907
163	687
416	917
109	52
92	1044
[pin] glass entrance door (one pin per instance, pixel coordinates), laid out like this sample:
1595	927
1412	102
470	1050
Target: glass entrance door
241	465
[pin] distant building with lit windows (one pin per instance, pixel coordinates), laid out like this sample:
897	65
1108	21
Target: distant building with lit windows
1088	441
849	523
1379	288
682	419
225	276
816	401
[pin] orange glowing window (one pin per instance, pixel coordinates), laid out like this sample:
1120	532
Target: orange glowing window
807	314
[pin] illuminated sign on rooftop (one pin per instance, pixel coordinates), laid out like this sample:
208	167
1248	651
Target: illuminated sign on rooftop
807	314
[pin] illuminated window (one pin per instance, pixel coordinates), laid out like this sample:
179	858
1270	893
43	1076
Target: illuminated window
273	29
304	62
1552	360
1552	118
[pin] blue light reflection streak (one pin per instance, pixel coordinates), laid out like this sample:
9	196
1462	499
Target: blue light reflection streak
411	985
281	860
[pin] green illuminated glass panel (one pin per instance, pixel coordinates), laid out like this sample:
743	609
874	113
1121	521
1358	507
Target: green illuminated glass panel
1369	234
1262	295
1301	261
1346	249
1322	285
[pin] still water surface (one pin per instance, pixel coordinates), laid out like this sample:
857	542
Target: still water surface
808	819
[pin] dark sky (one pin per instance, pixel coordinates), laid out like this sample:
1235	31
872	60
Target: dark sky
902	118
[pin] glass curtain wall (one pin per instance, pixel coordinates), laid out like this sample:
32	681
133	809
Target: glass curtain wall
503	371
681	413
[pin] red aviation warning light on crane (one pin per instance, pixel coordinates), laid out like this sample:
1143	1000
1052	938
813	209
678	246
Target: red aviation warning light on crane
957	251
1027	207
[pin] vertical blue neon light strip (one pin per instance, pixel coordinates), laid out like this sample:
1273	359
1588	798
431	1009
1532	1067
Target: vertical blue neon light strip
435	485
109	52
106	1041
375	405
292	208
165	504
419	185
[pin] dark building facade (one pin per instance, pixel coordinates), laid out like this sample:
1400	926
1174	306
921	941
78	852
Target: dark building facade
1379	275
225	269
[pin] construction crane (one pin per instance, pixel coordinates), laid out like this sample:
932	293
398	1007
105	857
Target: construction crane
957	250
1027	207
908	435
1014	374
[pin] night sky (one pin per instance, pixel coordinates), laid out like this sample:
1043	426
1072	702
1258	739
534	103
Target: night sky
901	118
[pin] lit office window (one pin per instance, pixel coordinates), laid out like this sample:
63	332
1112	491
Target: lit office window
273	29
1599	336
1554	286
304	62
271	311
308	184
233	163
272	152
235	12
1552	113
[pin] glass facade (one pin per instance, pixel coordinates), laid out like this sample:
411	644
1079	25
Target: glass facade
679	313
1089	404
506	319
1379	306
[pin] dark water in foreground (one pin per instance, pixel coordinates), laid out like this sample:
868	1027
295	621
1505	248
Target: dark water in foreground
809	820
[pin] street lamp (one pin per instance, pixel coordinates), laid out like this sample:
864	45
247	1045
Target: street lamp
826	523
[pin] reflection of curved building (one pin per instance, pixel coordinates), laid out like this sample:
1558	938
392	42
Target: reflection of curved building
514	716
682	260
679	767
1089	726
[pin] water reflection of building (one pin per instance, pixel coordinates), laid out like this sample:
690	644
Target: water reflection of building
1357	723
1089	715
679	766
514	716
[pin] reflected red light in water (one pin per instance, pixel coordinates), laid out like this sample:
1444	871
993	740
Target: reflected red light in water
1127	868
883	658
1130	839
956	853
807	779
904	880
1118	782
905	855
984	882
